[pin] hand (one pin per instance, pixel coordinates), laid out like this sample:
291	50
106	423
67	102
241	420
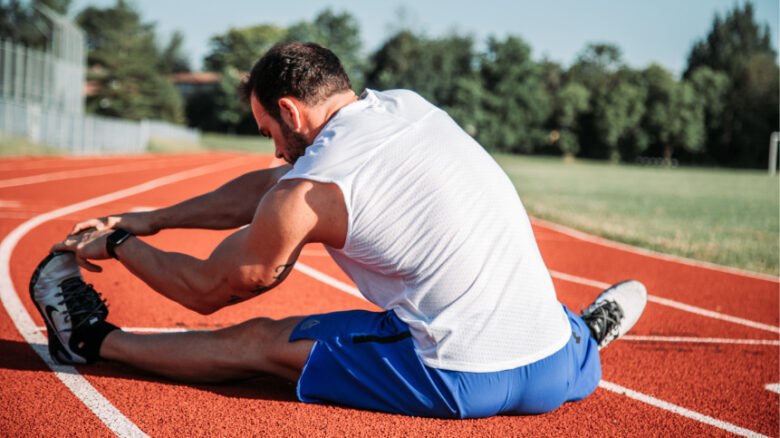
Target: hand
139	224
88	244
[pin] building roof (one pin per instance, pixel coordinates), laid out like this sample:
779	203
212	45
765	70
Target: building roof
205	77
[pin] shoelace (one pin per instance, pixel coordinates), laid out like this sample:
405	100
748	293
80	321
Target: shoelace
81	300
605	319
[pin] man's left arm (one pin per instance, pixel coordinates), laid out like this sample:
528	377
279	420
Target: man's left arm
249	262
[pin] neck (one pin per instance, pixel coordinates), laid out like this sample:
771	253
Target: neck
321	114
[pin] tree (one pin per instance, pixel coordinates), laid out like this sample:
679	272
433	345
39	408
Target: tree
571	102
730	42
173	59
22	24
514	100
125	63
339	32
741	49
611	125
240	48
431	67
674	117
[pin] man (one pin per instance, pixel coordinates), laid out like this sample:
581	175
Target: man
416	213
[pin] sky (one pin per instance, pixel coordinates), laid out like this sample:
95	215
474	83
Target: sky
647	31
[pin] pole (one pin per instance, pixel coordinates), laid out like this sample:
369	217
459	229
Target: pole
773	140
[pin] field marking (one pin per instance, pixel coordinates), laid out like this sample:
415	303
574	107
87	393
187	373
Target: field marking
671	339
317	275
327	279
73	380
82	172
670	303
58	162
581	235
696	340
774	387
679	410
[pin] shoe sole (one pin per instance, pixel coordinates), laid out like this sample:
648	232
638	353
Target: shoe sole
56	350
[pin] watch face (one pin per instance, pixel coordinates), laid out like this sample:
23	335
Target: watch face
115	239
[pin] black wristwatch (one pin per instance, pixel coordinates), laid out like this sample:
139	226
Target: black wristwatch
115	239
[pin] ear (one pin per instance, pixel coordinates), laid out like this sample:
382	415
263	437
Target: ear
291	111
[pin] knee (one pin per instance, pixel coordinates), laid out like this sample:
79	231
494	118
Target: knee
257	341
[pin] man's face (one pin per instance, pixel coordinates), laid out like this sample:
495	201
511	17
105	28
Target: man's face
289	145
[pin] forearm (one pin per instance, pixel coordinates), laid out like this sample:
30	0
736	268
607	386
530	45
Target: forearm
177	276
230	206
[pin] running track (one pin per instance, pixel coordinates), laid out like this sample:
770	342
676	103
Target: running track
702	361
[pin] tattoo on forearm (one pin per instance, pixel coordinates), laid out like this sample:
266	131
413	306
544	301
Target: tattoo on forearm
257	290
235	299
281	272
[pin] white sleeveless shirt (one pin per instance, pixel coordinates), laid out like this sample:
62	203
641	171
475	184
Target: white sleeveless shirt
437	233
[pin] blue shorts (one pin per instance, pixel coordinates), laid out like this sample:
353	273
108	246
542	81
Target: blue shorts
367	360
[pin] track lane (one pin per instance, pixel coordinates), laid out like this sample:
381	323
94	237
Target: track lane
288	417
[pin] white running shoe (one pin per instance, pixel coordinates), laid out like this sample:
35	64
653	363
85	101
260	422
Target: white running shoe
72	310
615	311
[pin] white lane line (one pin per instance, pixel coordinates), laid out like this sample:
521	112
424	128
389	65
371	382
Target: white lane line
83	172
606	385
696	340
324	278
774	387
671	303
622	338
7	164
580	235
679	410
91	397
151	329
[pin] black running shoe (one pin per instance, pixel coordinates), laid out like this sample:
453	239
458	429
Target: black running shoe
615	311
74	313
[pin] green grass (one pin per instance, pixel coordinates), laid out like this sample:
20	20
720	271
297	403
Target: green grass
727	217
15	147
243	143
215	142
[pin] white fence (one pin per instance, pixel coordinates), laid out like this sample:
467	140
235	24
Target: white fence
28	75
79	134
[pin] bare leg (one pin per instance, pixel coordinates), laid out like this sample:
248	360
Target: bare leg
242	351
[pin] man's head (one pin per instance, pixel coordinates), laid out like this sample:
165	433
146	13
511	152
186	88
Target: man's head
305	71
292	90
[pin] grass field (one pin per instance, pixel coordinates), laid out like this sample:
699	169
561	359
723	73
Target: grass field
722	216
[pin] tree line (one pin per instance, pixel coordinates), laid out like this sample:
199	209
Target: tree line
720	111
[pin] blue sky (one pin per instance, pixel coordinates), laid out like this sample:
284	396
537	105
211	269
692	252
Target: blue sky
647	31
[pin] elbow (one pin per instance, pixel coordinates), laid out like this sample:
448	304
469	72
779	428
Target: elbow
203	307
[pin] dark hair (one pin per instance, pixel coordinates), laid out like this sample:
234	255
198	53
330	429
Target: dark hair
305	71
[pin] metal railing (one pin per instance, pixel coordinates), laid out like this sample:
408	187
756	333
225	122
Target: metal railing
84	134
29	75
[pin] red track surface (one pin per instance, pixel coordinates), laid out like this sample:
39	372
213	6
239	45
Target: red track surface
704	388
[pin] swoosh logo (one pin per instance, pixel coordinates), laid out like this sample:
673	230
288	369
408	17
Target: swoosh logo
49	309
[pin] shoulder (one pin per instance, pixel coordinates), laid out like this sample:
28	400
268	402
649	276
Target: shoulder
313	210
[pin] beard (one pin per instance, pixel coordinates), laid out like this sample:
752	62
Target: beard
296	143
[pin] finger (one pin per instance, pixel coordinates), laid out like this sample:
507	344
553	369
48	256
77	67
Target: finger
61	246
85	225
84	263
112	221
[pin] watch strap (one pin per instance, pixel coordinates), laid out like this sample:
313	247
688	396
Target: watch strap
115	239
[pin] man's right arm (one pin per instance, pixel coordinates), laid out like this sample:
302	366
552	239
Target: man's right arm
230	206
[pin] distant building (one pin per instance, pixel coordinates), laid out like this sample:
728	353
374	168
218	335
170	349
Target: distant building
192	83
